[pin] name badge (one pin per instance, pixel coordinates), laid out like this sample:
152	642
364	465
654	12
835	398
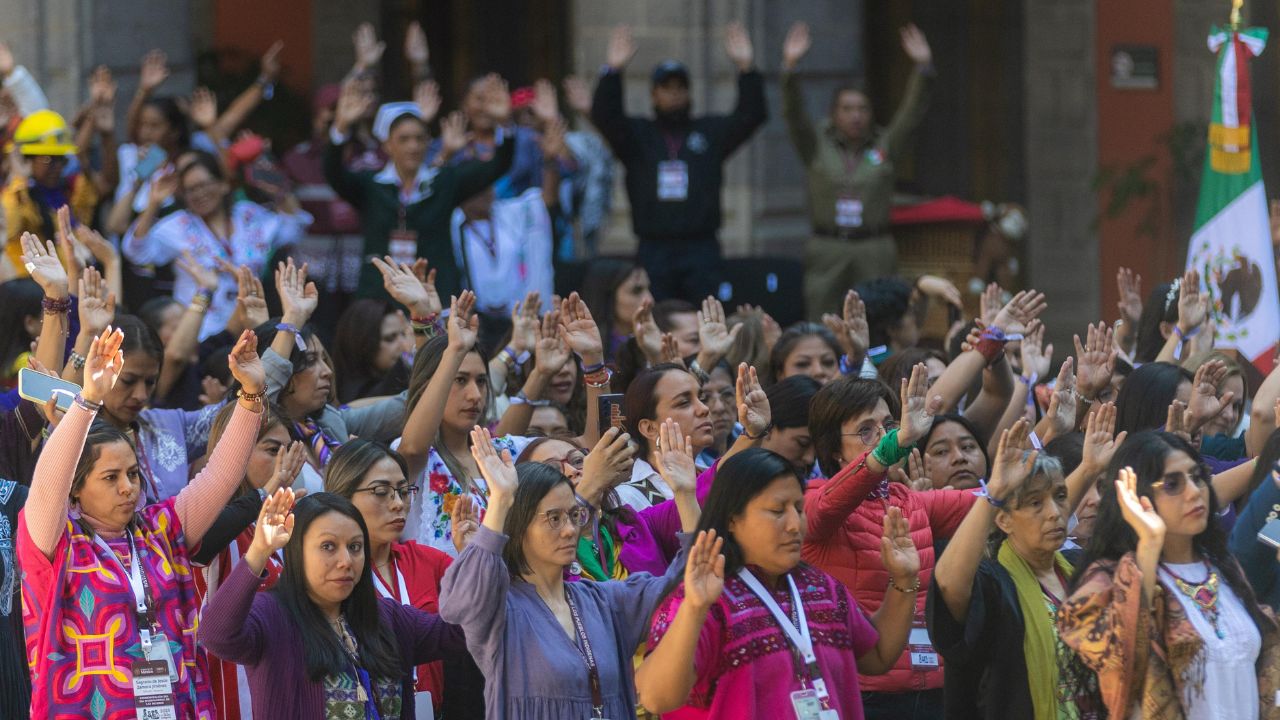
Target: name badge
158	651
422	707
848	212
402	245
673	180
152	691
808	707
920	648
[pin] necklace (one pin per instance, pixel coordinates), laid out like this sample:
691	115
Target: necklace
1203	594
349	645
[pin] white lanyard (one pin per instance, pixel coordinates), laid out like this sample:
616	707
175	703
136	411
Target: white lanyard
134	573
800	638
385	591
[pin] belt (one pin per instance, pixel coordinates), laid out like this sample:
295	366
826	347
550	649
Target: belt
861	233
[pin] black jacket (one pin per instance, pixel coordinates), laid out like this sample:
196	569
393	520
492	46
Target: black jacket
704	143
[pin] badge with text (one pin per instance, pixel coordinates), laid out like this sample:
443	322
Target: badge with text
920	647
673	180
402	246
809	707
152	691
159	651
848	212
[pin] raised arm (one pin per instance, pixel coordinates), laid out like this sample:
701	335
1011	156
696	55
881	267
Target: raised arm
551	354
102	116
153	71
182	345
198	503
579	331
892	621
750	112
44	267
916	101
145	242
1263	413
353	104
248	100
804	137
476	175
423	422
607	111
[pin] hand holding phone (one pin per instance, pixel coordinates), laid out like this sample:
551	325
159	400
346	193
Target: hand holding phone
38	388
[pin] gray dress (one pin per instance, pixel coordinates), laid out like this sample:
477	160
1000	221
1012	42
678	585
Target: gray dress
533	669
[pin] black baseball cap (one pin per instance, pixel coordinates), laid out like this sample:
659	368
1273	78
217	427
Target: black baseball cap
668	69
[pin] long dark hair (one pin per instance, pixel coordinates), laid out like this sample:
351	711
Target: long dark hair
599	291
351	462
425	365
641	402
175	117
21	300
1144	399
835	403
321	649
356	342
738	481
1161	306
535	481
139	338
788	340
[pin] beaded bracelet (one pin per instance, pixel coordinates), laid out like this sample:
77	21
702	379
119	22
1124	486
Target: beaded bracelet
599	379
915	586
77	360
55	307
86	404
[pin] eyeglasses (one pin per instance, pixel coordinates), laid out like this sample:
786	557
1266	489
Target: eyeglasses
201	187
577	515
383	492
574	459
50	160
871	435
1174	484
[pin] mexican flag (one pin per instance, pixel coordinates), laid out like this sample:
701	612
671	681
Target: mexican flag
1231	245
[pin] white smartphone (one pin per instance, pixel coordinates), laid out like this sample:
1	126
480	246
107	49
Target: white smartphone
38	388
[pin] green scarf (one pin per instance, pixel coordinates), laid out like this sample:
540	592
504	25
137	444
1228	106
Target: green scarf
1039	640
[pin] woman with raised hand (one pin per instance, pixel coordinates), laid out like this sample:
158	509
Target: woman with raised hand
548	649
1159	609
775	610
101	562
321	643
997	585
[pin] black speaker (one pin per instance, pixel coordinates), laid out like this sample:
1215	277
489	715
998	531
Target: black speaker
774	283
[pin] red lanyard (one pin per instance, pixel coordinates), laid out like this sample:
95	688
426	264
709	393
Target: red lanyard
584	649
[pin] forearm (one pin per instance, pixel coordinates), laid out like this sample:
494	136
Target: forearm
146	221
957	378
667	675
200	501
1231	485
51	347
550	183
829	507
83	342
893	622
122	211
181	348
1262	415
133	116
515	421
954	573
1017	408
110	173
495	517
46	508
423	423
233	117
1148	559
997	390
690	511
1169	351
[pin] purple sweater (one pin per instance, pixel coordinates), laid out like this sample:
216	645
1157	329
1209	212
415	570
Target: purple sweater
266	641
649	541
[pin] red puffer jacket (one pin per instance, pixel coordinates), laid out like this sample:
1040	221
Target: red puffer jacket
843	539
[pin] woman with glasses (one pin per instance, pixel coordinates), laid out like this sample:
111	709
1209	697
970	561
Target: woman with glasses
215	228
548	648
856	439
1159	610
373	477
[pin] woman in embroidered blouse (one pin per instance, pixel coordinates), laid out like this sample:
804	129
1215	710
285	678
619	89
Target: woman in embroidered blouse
530	631
756	507
321	644
1159	608
991	604
86	522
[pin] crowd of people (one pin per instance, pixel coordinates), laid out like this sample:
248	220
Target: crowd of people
314	437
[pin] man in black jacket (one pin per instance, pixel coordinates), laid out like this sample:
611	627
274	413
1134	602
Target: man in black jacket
675	163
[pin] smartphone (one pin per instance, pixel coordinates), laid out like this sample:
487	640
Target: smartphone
38	388
266	176
1270	533
611	412
151	162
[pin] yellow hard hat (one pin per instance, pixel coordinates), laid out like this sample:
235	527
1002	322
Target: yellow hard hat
44	132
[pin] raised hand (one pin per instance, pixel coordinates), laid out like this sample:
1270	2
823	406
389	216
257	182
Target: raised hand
607	465
1138	510
298	298
164	185
796	46
737	45
1205	405
552	141
577	95
917	408
96	306
497	98
525	322
1012	463
551	352
941	289
416	50
251	304
464	326
621	48
102	365
402	284
1096	360
671	350
915	45
270	65
274	527
367	46
1178	420
7	63
1130	303
101	248
753	402
426	95
674	458
897	551
154	70
66	245
464	521
1036	357
1021	309
205	277
203	108
498	470
545	105
1100	438
245	365
1063	404
579	329
289	462
1193	306
353	104
102	99
453	133
851	328
915	475
647	334
704	571
211	390
42	263
715	337
989	303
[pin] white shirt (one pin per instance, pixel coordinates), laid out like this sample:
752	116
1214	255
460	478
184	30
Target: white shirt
509	255
630	492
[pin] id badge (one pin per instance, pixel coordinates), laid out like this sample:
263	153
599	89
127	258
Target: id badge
160	652
152	691
422	707
848	212
402	245
808	707
673	180
923	656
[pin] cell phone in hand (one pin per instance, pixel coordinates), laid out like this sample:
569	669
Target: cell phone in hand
38	388
1270	534
611	414
151	162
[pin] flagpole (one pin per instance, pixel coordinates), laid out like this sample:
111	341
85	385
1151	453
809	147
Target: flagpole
1235	14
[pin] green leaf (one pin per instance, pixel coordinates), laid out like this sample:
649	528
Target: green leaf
98	705
87	602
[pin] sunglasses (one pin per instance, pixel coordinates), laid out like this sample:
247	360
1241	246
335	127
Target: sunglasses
1174	484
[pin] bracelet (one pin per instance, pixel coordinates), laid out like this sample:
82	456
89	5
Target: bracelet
702	375
888	452
1183	338
251	397
522	399
55	307
599	379
762	433
87	404
992	500
428	319
991	343
77	360
1030	382
297	334
915	586
592	369
200	301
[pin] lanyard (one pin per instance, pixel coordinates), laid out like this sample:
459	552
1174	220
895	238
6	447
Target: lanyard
138	583
800	639
674	143
584	649
385	591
